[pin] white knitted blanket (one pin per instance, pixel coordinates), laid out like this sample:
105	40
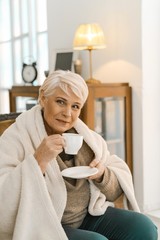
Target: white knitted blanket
31	206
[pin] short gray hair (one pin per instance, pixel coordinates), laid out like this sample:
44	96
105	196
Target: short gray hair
64	79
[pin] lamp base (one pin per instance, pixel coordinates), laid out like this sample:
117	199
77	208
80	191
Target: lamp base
93	81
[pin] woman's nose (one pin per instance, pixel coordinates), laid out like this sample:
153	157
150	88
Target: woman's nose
67	112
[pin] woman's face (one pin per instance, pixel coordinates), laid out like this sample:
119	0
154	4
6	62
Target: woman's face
60	111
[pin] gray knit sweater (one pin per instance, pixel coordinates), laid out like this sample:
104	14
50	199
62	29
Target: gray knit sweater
78	191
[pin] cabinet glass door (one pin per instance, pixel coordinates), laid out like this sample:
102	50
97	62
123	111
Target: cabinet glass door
110	123
25	103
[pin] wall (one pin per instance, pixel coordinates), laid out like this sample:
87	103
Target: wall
151	100
131	57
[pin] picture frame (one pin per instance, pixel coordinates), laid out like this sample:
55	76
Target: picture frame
64	59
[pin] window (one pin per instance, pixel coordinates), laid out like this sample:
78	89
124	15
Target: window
23	38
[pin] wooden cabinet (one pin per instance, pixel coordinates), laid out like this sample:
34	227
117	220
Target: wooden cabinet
24	91
108	111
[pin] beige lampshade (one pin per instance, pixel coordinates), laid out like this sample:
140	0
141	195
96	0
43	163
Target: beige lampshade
89	37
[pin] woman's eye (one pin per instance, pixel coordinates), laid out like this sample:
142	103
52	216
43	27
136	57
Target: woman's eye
61	102
76	107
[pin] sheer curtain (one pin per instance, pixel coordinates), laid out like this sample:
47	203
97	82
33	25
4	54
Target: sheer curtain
23	37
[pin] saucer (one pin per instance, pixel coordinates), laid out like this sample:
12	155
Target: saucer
79	172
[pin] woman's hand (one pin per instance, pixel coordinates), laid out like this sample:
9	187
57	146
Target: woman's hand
49	148
101	168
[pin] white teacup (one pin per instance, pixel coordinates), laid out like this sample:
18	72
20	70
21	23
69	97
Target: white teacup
73	142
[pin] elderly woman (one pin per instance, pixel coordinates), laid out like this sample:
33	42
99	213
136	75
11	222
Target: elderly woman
37	202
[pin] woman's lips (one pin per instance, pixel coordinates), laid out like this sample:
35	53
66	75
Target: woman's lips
62	121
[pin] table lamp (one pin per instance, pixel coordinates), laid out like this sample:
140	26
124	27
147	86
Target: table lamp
89	37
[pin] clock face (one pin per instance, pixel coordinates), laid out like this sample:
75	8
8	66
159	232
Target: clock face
29	73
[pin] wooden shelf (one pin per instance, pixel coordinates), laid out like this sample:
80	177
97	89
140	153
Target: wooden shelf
109	90
22	91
